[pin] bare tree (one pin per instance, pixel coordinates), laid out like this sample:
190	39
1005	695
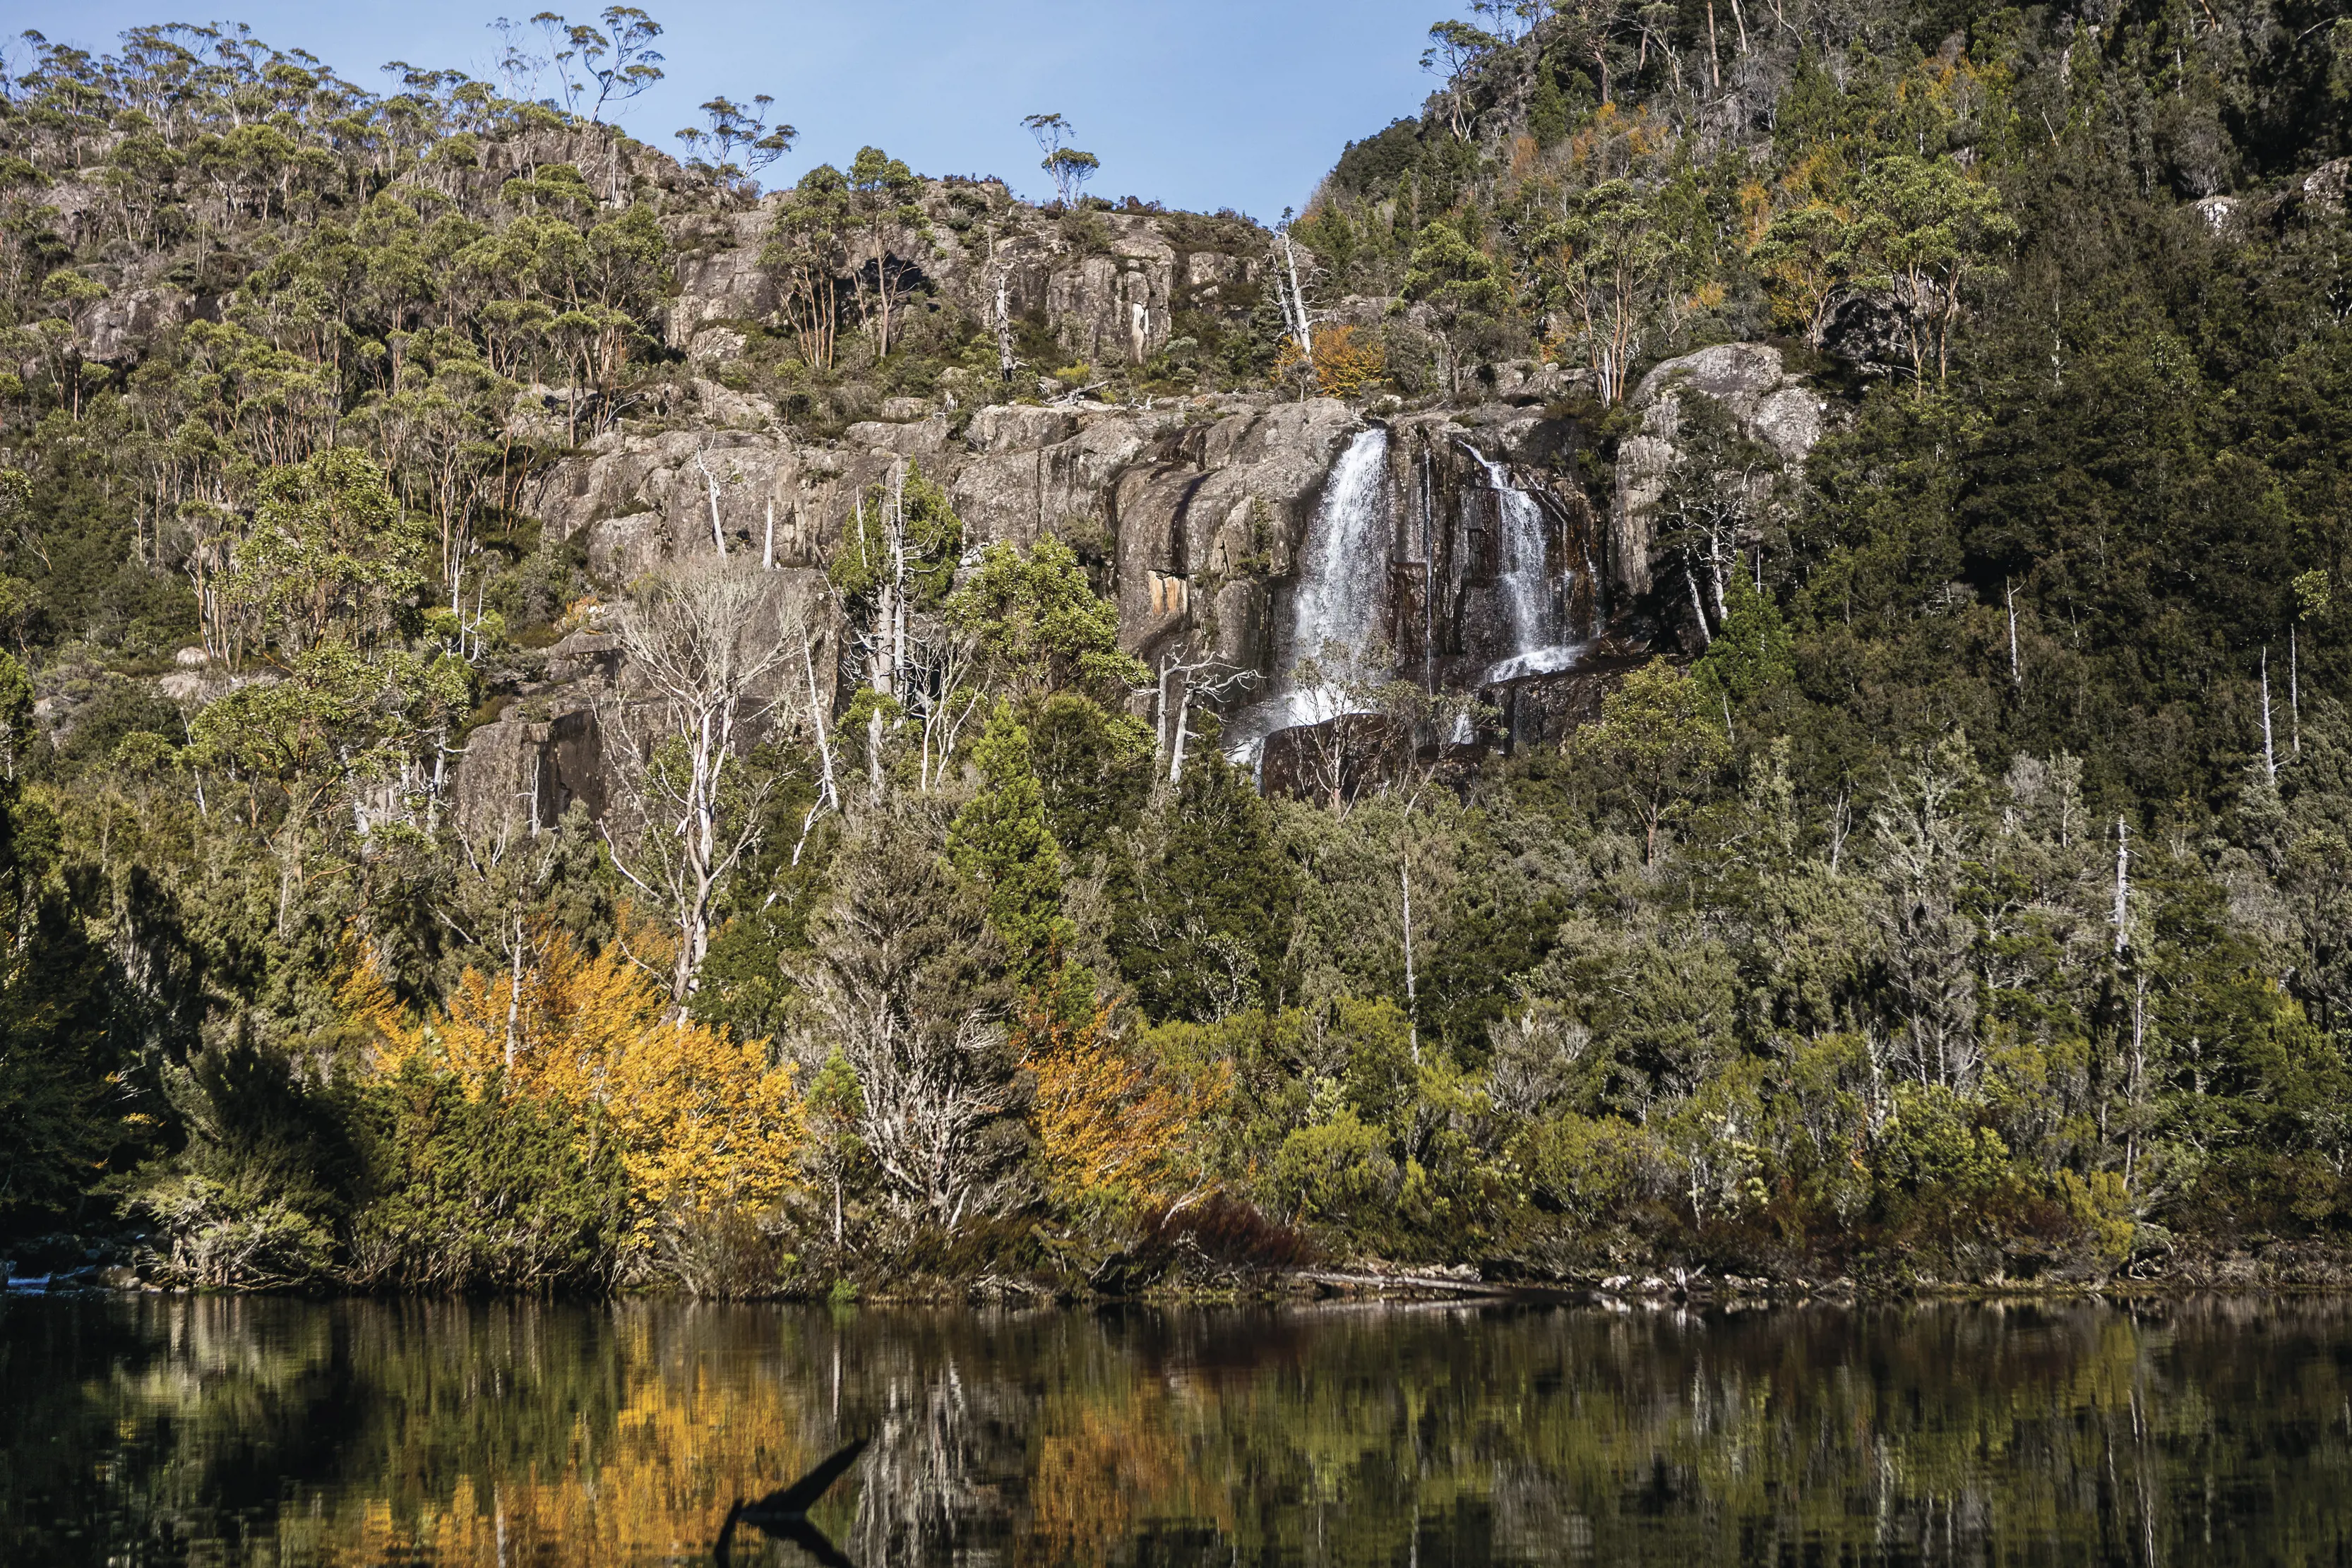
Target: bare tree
1925	835
1195	680
904	984
707	651
1290	283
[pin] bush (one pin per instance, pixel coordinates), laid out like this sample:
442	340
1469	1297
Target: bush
486	1191
1337	1171
231	1237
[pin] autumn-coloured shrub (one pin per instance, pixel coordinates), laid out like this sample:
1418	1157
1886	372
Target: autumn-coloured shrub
1346	360
1223	1231
1106	1126
700	1123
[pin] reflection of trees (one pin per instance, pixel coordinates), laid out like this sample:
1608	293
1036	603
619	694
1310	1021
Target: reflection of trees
291	1432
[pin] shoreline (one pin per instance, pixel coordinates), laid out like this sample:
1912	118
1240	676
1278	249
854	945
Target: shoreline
1338	1285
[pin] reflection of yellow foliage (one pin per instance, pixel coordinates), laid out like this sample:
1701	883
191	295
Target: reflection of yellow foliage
703	1118
685	1442
1348	361
1106	1463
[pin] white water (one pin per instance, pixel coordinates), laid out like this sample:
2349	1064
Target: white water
1342	581
1530	596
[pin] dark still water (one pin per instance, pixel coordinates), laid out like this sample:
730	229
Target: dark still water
160	1429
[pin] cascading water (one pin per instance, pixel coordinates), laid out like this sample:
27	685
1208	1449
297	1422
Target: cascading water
1531	597
1343	571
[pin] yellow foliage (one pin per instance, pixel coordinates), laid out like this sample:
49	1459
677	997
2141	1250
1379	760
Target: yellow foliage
1103	1123
1348	361
703	1119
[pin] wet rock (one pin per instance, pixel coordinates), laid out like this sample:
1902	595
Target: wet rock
1216	510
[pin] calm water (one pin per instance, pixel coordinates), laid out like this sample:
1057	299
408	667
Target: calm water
224	1431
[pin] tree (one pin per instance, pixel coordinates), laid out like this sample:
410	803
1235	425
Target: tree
1001	842
1610	259
1067	167
1200	895
1456	49
808	251
703	1121
331	553
904	983
732	127
710	645
1717	498
884	199
1457	283
893	570
1927	232
1807	256
1040	627
1752	651
591	67
1655	746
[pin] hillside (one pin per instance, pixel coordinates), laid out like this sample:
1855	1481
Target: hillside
1727	654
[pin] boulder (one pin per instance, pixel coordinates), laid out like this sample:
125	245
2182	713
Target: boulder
519	774
1751	381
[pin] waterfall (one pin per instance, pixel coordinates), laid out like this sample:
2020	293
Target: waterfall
1531	597
1341	583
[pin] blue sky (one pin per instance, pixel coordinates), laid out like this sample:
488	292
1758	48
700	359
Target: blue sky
1198	103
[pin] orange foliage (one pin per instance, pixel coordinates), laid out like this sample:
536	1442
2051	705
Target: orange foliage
1104	1124
1348	361
703	1119
1523	159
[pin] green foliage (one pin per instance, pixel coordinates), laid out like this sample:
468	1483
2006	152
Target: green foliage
1000	840
483	1191
1198	898
1655	746
1752	651
903	537
331	552
1039	624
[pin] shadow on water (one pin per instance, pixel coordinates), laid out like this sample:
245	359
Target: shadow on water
222	1430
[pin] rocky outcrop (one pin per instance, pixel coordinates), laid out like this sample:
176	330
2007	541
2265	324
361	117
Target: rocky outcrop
574	703
1750	382
1188	507
520	774
1108	284
117	329
1217	511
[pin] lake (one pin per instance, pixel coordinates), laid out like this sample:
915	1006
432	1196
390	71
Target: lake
165	1429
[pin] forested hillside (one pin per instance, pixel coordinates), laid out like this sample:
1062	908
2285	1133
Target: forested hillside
571	724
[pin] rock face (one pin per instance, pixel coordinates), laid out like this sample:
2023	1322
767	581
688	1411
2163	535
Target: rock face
580	700
1751	383
1108	284
1468	487
1209	515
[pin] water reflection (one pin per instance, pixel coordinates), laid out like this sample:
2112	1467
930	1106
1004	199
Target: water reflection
257	1431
